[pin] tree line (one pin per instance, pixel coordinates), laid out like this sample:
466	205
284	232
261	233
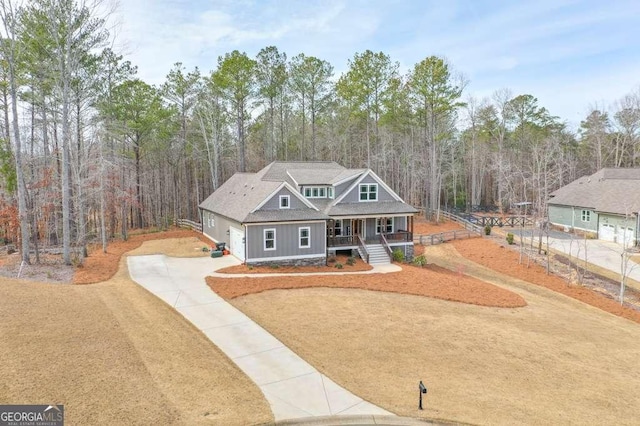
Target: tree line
89	151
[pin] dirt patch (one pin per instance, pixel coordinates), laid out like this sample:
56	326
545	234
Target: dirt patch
113	353
358	266
498	258
431	281
101	266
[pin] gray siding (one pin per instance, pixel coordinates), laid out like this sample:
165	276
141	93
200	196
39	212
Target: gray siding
354	195
572	217
343	187
274	202
286	240
220	226
398	223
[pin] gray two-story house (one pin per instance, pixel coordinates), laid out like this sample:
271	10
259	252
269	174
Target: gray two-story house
302	212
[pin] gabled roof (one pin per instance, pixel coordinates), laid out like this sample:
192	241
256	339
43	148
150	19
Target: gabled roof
241	197
614	191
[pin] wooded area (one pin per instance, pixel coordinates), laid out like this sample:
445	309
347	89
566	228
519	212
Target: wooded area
90	151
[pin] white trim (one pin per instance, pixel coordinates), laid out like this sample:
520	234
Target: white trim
377	179
348	178
285	197
264	239
298	222
368	192
300	229
585	213
386	187
369	216
393	223
406	243
300	256
292	190
292	178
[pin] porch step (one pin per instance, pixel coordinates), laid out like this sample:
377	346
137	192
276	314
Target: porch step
377	255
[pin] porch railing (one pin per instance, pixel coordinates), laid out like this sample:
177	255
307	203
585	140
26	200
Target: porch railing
385	244
363	247
341	241
399	237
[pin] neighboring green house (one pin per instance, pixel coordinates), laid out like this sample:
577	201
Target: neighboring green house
301	212
605	204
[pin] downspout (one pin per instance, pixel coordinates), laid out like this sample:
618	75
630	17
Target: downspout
573	218
637	226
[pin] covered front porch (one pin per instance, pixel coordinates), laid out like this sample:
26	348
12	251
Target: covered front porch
354	231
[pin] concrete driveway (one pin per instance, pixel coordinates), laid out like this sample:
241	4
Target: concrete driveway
293	388
605	254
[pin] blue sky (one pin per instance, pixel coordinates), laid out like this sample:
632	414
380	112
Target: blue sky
569	54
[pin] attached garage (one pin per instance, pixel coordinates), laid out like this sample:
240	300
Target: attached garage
625	236
236	242
607	232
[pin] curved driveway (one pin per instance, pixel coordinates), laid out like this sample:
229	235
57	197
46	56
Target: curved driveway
293	388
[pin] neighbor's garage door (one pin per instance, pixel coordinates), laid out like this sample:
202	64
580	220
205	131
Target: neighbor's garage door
237	243
607	232
625	236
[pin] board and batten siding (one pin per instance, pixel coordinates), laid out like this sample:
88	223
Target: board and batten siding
287	240
354	195
294	202
572	217
399	222
221	224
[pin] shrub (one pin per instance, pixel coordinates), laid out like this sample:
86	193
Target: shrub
339	265
420	260
398	255
274	266
250	267
487	230
510	238
351	261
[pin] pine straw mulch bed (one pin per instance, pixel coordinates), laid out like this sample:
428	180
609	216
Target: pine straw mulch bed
358	266
101	266
498	258
431	281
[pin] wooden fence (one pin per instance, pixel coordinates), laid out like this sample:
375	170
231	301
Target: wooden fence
468	225
432	239
186	223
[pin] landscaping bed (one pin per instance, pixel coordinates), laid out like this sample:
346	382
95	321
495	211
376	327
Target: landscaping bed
339	264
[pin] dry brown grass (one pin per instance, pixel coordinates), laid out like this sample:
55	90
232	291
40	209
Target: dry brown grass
556	361
112	353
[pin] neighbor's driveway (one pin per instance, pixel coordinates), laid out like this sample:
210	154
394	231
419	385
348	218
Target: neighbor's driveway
293	388
604	254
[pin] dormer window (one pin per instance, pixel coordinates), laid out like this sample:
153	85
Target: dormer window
318	192
368	192
284	202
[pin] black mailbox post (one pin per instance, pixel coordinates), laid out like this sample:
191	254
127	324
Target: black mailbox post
423	389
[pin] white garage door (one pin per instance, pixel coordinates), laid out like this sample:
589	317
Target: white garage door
236	237
625	236
607	232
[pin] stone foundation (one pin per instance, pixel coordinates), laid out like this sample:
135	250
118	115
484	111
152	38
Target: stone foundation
408	253
314	261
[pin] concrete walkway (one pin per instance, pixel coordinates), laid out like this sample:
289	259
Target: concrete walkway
293	388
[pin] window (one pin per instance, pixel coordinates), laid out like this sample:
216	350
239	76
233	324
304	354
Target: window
586	216
284	201
304	235
269	239
338	227
212	220
388	227
318	192
369	192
